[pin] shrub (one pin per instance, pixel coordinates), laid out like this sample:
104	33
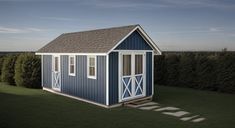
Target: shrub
28	71
206	73
159	69
226	73
172	65
1	62
8	69
187	70
18	70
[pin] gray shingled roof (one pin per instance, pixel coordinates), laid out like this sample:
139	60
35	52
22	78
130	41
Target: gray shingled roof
94	41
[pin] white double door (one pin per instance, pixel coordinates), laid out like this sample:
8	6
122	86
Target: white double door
131	75
56	73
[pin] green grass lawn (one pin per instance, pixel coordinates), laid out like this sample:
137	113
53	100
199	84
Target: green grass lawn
32	108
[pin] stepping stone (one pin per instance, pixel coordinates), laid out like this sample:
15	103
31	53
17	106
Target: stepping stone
198	120
176	114
166	109
188	118
145	104
149	107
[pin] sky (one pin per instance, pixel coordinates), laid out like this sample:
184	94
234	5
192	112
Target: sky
174	25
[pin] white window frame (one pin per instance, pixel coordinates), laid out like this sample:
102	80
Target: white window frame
88	69
72	56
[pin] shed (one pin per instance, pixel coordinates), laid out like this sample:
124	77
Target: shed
106	67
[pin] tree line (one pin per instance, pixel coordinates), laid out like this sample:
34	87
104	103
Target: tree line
207	71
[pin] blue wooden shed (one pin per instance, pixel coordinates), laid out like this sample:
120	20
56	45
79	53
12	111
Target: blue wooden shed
106	67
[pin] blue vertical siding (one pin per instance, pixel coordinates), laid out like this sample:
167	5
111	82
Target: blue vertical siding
47	70
134	42
80	85
149	74
113	78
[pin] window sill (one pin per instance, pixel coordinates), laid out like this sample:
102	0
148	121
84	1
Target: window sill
72	75
91	77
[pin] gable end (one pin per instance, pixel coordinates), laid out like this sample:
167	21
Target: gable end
134	42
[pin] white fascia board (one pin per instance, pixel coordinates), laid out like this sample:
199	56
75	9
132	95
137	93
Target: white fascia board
132	50
97	54
149	39
142	33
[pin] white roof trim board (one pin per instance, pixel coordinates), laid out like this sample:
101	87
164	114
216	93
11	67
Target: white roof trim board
143	33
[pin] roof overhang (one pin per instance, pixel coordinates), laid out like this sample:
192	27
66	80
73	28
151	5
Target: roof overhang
98	54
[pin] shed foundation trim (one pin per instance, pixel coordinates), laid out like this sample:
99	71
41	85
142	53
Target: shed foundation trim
81	99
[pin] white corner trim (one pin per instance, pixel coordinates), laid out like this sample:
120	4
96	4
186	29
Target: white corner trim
119	76
152	73
107	79
98	54
69	57
41	71
81	99
88	69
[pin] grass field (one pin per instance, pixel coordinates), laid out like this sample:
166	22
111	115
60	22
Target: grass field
32	108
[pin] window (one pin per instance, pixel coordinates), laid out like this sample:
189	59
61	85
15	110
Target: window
91	68
138	64
126	65
72	63
56	62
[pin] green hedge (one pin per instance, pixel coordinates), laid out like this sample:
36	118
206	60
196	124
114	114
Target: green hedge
28	71
7	72
205	71
226	73
1	62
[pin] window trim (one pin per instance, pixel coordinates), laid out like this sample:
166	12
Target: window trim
72	74
88	67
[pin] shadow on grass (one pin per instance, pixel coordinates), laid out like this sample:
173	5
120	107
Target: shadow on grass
48	110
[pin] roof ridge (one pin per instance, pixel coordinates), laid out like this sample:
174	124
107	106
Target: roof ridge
100	29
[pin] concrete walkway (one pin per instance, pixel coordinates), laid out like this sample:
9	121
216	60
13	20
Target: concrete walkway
176	114
171	111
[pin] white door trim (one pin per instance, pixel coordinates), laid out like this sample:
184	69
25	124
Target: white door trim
120	66
56	78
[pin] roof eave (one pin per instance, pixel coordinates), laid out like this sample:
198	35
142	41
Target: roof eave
47	53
